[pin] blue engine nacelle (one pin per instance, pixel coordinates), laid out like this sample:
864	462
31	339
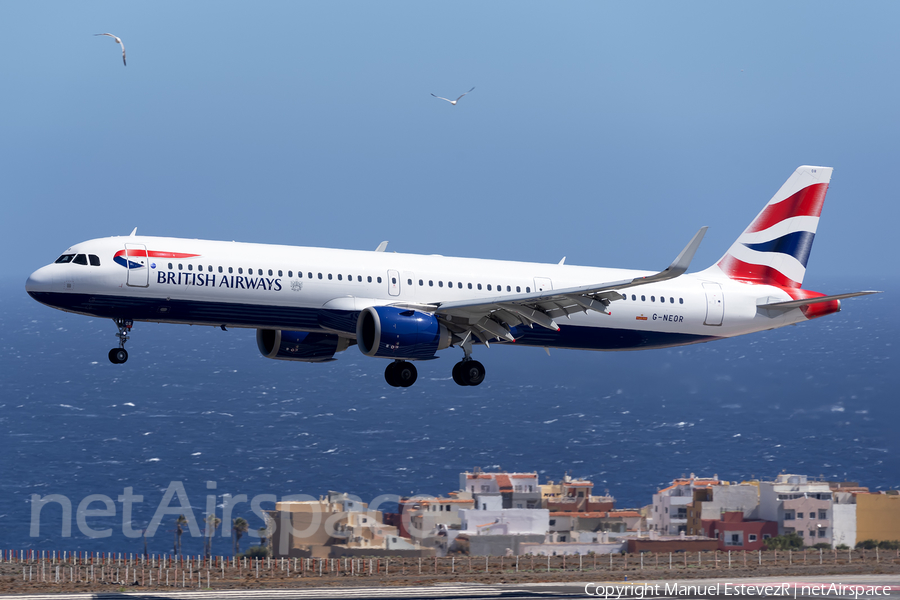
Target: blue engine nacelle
391	332
299	345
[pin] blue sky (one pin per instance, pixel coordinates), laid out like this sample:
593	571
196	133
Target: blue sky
605	132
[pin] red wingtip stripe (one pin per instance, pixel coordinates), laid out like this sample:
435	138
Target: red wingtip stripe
805	203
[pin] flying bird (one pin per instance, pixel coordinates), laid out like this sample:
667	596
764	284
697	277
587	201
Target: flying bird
453	102
119	42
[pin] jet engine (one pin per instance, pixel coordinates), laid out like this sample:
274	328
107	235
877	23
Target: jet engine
402	334
299	345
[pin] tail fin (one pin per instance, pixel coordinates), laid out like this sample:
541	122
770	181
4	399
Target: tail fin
774	249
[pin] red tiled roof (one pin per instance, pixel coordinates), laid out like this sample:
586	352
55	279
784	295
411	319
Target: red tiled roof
504	482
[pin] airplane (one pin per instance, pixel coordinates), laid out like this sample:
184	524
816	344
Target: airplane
308	304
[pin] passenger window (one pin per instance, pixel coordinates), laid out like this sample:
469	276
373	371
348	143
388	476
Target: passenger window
671	300
190	266
459	284
508	289
527	290
681	301
489	287
652	298
320	276
518	289
470	286
369	278
409	282
67	258
450	284
80	259
359	278
279	272
310	275
379	280
340	277
420	283
662	299
430	283
440	284
479	286
230	270
643	298
259	272
290	273
220	269
170	265
349	277
240	270
329	276
95	260
633	297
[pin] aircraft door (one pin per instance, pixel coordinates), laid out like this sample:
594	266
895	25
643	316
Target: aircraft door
137	268
393	283
542	284
715	303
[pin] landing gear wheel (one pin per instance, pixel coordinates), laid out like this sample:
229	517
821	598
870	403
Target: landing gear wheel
468	372
406	374
457	374
117	356
400	374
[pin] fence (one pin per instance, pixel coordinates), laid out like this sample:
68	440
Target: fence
194	571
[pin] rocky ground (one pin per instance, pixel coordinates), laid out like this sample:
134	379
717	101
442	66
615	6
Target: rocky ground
41	577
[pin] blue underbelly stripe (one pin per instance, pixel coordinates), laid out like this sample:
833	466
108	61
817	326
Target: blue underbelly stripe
311	319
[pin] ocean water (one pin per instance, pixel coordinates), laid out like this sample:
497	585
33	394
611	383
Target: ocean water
196	404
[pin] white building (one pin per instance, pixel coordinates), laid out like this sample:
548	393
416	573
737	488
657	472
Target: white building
508	521
798	506
670	504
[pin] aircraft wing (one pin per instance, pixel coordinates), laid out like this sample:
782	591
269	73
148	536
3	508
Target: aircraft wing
490	318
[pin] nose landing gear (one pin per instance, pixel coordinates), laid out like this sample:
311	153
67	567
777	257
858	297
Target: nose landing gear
401	373
119	355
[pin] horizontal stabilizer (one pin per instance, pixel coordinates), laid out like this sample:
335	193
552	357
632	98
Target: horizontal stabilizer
807	301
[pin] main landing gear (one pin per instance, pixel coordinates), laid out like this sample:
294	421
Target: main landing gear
468	372
401	373
119	355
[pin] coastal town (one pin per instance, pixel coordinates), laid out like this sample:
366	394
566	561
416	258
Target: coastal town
513	514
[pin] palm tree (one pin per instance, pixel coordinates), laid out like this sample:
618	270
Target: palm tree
238	527
180	522
262	535
212	523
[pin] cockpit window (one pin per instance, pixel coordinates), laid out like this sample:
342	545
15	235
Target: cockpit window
80	259
65	258
95	260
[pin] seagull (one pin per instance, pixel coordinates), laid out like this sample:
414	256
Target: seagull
453	102
119	42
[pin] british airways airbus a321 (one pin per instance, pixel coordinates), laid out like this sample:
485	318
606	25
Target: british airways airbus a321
308	304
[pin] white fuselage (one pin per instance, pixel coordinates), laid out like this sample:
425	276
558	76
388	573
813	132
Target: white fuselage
285	287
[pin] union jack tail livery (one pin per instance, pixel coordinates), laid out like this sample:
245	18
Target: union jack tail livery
774	249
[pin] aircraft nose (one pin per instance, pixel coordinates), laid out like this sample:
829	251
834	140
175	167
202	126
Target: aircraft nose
39	281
